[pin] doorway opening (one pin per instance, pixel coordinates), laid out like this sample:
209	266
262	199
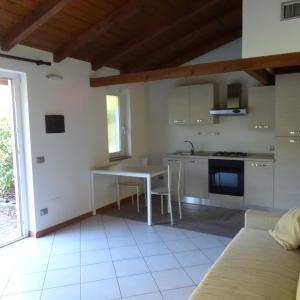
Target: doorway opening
12	200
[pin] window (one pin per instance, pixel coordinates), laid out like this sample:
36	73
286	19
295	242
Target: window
113	123
118	124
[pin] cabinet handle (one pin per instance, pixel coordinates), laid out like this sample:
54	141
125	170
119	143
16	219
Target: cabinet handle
192	161
292	141
179	121
261	126
294	132
258	164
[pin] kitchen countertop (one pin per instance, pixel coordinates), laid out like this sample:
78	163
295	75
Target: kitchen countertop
209	155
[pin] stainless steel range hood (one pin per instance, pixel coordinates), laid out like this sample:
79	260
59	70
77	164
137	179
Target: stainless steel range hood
233	102
229	112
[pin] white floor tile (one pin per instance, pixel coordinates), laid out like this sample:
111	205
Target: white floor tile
125	252
64	261
56	278
25	283
130	267
104	290
178	294
89	245
171	235
97	272
7	264
3	282
93	234
191	258
31	265
152	296
154	249
224	240
213	253
121	241
136	285
198	272
94	257
24	296
162	262
149	237
70	292
180	245
172	279
206	241
65	247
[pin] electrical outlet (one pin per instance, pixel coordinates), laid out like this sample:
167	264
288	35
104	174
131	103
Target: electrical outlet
40	159
44	211
271	148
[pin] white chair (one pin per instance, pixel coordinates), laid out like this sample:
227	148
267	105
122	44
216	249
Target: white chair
173	187
134	185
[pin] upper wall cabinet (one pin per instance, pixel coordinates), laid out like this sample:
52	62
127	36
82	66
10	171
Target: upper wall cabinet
287	105
261	104
190	105
201	102
178	104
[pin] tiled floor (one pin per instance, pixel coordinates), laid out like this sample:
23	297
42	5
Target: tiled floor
107	257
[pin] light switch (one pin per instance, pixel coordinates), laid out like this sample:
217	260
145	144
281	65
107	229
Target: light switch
40	159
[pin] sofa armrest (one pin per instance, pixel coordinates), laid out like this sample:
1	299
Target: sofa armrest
263	220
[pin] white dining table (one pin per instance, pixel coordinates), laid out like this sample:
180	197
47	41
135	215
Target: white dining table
138	171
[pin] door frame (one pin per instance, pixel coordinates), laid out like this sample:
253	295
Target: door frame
19	158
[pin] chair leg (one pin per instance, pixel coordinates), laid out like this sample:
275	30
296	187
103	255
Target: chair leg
118	195
162	204
145	192
170	207
138	198
179	205
132	199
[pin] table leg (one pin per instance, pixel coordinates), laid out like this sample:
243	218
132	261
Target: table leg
149	202
93	195
118	192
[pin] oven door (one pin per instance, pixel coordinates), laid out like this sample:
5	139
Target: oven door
226	177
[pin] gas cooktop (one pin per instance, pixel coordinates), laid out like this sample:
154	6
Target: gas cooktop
230	154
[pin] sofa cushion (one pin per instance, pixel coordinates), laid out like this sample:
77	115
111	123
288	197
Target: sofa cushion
287	230
252	267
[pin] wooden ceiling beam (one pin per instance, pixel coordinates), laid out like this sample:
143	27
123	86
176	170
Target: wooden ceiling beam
236	65
33	21
140	41
166	54
262	75
125	12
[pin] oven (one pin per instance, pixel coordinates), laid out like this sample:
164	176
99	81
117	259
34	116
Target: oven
226	177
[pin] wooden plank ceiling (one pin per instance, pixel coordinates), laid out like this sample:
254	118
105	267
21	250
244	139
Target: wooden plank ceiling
132	35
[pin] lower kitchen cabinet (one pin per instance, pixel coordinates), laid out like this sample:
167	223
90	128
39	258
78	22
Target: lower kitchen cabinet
196	177
287	172
259	183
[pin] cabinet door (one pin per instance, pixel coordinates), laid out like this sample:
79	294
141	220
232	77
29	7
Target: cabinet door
196	177
201	102
259	178
178	106
261	106
287	105
287	172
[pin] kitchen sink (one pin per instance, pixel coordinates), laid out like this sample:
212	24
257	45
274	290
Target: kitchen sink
197	153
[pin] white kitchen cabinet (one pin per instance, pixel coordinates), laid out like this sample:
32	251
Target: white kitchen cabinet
190	105
259	183
196	177
287	172
287	105
201	102
178	106
261	106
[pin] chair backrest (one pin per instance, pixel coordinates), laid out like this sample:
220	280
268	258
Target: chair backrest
175	169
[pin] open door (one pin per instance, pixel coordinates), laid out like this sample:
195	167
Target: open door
13	202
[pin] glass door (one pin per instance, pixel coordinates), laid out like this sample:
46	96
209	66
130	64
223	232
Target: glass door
13	210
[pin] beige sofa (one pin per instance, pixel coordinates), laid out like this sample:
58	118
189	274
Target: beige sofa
253	266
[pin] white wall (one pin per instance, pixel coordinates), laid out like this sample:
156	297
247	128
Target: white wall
62	183
263	31
234	133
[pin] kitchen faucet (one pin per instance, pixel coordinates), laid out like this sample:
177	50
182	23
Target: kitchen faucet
192	145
